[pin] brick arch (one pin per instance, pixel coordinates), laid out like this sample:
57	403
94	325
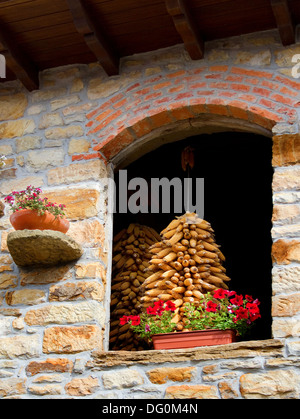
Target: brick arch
168	103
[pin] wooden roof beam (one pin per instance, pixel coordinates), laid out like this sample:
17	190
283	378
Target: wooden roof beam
186	28
89	28
284	21
18	62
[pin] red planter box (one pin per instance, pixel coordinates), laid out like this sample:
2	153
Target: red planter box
179	340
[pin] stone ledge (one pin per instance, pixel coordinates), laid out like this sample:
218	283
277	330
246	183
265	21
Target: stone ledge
42	247
245	349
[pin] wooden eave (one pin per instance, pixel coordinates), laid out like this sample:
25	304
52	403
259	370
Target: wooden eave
40	34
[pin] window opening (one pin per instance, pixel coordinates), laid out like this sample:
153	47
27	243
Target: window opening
237	173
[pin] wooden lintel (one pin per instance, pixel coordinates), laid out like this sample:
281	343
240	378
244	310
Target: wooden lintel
87	26
186	28
284	21
18	62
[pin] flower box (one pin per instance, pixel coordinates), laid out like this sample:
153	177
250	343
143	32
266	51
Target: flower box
193	339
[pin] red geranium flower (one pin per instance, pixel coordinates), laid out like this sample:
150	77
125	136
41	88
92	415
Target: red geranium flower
241	313
210	306
135	320
220	293
170	306
237	300
151	310
124	320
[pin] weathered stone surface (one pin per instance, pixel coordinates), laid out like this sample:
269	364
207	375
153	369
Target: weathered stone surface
78	146
162	375
89	233
279	384
16	128
81	203
122	379
8	280
50	365
90	270
286	305
65	132
45	275
12	387
43	159
82	386
78	291
12	106
285	252
71	340
287	179
43	390
286	279
93	170
47	247
50	120
227	391
192	392
25	297
67	313
19	184
20	346
246	349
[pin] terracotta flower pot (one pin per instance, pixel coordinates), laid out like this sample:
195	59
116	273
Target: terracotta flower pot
31	220
193	339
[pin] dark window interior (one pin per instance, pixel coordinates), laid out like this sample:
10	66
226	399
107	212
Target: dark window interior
237	173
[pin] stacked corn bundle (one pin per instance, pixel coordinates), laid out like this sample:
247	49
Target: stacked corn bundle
185	264
130	261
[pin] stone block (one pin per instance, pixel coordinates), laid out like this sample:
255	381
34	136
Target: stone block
122	379
20	346
46	247
12	106
81	203
66	313
192	392
279	384
71	340
25	297
43	159
286	305
162	375
82	386
18	128
87	290
66	132
78	172
49	365
21	183
10	387
45	275
89	233
28	143
285	252
50	120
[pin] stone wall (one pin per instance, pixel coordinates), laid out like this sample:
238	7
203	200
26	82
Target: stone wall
66	138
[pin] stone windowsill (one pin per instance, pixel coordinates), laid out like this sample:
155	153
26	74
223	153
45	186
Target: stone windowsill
245	349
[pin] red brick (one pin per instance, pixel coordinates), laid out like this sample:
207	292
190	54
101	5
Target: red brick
282	99
262	92
293	84
254	73
221	68
176	74
238	109
119	142
161	118
85	156
161	85
240	87
140	127
180	111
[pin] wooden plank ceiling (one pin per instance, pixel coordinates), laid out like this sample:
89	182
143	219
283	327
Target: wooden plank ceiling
40	34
